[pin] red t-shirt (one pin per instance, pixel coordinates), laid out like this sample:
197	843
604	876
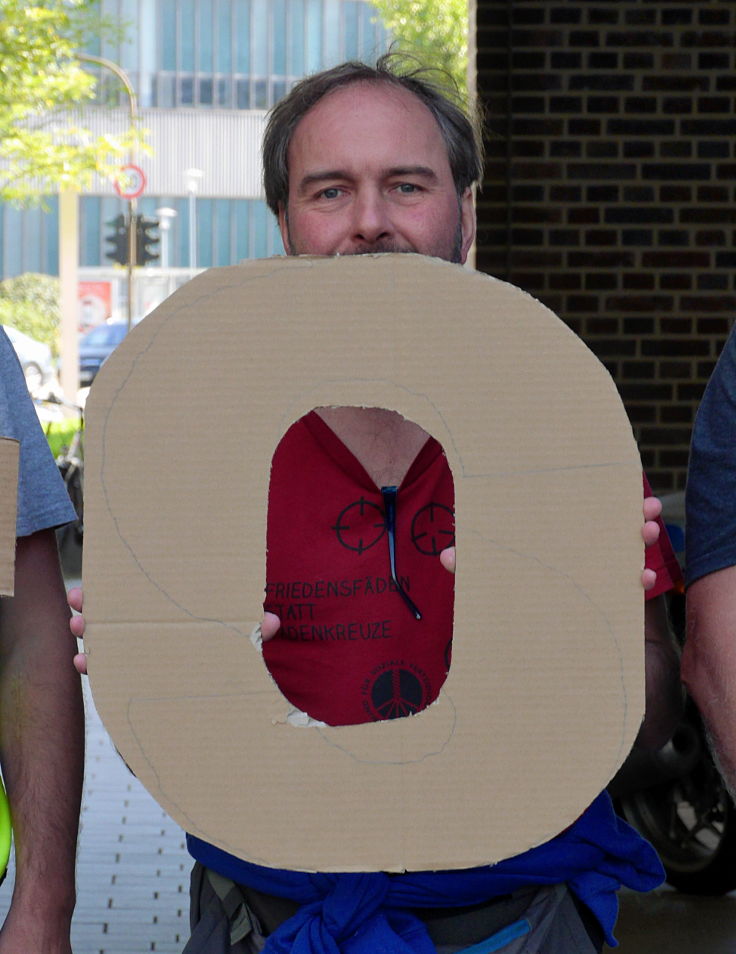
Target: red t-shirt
661	557
349	649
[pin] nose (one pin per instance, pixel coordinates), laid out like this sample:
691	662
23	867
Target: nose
371	220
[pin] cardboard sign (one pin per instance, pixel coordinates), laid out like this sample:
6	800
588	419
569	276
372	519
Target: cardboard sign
546	689
9	450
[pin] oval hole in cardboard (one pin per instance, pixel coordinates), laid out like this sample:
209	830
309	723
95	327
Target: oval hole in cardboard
361	504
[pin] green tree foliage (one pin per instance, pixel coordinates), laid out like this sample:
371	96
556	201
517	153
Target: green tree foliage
30	303
40	82
436	31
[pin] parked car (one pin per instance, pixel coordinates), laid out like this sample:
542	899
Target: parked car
35	359
95	346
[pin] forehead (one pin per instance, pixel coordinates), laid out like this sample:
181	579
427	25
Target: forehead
368	121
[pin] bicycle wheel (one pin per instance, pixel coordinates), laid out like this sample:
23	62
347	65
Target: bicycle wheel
691	822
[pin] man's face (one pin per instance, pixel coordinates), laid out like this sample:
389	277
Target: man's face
369	172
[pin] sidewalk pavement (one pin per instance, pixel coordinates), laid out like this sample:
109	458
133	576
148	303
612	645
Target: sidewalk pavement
132	864
133	873
133	877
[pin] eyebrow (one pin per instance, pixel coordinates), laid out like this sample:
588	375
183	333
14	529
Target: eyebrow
424	171
306	181
340	174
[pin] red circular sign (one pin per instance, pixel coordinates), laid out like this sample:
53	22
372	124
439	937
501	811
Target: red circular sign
130	182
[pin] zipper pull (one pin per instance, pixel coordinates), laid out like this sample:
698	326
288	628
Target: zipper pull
390	495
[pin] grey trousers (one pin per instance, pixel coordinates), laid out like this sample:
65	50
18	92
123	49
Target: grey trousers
542	920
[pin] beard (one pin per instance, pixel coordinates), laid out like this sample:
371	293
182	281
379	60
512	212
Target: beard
451	254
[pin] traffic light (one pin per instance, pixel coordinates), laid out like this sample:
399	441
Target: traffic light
146	244
118	240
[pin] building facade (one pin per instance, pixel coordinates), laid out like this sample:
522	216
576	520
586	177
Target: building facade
610	189
205	74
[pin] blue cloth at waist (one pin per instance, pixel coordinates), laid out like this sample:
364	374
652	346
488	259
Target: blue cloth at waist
362	913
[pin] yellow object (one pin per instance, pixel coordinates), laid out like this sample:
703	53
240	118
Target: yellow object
6	830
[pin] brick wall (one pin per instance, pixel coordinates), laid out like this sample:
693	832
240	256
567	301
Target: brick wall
610	189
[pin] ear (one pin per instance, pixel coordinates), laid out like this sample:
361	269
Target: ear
467	223
284	228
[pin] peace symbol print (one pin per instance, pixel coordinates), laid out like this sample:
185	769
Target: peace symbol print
398	691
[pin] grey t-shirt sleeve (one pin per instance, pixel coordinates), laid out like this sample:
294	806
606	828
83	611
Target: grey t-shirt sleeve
42	498
710	500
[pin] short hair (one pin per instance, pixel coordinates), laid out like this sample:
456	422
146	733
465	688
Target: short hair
460	131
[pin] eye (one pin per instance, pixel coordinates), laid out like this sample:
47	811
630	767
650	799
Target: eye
408	188
332	192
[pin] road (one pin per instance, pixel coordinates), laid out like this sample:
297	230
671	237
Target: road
665	922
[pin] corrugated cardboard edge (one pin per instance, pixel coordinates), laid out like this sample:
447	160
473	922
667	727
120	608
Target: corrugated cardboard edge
9	452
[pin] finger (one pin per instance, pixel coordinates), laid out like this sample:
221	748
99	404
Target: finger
75	598
77	626
648	579
652	508
270	626
448	559
80	664
650	532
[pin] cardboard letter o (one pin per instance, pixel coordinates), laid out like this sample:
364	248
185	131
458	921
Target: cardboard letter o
545	693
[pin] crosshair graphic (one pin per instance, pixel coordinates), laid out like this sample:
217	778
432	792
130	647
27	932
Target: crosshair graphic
360	525
395	693
433	529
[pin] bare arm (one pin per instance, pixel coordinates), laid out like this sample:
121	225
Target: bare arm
664	693
41	748
709	662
